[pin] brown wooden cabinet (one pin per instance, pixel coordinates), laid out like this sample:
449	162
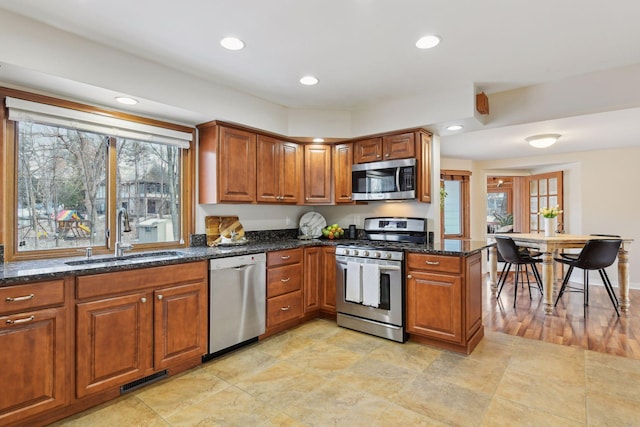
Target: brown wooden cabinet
317	175
386	147
424	167
133	323
342	162
284	289
312	279
227	164
444	300
279	171
328	281
33	324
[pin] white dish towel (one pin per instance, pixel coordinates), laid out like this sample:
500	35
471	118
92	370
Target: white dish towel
354	284
371	285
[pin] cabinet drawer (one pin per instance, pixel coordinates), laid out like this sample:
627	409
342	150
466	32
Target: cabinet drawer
27	297
284	307
285	279
290	256
437	263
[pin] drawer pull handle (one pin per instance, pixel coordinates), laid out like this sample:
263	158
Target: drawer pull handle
287	308
16	299
286	257
285	280
25	320
432	262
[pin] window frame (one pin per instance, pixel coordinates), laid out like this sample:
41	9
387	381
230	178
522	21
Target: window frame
464	177
8	183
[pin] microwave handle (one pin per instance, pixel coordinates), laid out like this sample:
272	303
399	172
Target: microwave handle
398	188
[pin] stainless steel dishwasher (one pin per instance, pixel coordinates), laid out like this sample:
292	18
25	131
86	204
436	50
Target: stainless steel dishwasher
237	300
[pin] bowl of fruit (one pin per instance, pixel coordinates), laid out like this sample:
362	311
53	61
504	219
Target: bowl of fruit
333	231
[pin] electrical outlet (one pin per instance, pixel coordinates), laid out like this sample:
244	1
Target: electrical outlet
356	219
287	220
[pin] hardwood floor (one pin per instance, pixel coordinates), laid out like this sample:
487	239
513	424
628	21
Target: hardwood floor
598	329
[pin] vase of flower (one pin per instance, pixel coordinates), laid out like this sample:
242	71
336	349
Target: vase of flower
550	225
550	216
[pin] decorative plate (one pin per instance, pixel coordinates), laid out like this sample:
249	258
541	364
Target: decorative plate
316	223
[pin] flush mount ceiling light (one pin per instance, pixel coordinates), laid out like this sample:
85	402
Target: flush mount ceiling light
318	139
309	80
427	42
126	100
454	127
232	43
543	141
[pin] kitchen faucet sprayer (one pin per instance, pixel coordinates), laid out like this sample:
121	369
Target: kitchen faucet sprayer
122	216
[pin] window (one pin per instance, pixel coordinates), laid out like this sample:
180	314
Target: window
455	204
71	179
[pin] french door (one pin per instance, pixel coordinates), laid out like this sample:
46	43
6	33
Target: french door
545	190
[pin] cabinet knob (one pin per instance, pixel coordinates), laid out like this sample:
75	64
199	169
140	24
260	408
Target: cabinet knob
306	198
387	155
409	276
160	297
377	155
143	300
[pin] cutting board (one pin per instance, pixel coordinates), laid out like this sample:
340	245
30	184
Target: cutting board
217	227
212	229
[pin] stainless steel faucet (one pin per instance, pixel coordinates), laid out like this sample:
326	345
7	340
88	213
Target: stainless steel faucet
120	245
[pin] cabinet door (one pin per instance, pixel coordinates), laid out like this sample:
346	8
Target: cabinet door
328	274
401	146
268	181
290	167
312	277
180	323
33	361
424	169
113	342
342	162
434	305
237	166
317	174
367	150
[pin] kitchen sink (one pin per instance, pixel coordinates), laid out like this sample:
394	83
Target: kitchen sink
128	259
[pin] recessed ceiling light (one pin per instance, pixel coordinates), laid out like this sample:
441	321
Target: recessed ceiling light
318	139
427	42
454	127
126	100
309	80
543	141
232	43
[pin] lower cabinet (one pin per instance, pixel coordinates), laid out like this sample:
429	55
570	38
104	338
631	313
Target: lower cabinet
284	289
34	358
444	300
328	281
139	322
312	279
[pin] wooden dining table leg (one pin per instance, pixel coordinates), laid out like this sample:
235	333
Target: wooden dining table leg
493	269
623	278
547	281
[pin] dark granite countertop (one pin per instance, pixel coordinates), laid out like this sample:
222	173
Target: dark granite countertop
25	271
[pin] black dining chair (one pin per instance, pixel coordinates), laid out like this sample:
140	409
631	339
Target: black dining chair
512	255
597	254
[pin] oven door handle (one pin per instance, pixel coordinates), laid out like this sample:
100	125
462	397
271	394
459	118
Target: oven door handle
390	267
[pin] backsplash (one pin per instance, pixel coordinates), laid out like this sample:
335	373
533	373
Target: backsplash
199	240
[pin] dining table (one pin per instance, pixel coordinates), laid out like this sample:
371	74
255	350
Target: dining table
550	246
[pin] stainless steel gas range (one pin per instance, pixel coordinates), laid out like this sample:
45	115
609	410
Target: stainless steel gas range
370	277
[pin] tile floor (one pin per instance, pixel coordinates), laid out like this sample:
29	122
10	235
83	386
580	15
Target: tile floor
319	374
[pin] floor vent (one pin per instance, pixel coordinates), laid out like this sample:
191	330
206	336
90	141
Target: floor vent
143	381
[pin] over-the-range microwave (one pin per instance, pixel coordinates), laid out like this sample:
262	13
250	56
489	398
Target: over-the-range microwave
386	180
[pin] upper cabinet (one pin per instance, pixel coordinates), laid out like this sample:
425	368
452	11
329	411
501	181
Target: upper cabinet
227	160
279	170
317	175
342	162
387	147
424	166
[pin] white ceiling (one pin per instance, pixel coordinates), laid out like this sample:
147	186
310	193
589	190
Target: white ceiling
363	52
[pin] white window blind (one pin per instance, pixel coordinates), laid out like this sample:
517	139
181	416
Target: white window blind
21	110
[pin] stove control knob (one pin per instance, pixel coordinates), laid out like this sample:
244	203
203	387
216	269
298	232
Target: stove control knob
389	255
378	254
356	252
346	251
365	253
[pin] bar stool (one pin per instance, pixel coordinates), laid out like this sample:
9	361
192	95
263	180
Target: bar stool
597	254
511	254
